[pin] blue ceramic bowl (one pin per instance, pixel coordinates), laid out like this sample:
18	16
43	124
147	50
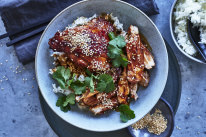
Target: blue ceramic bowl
128	15
167	112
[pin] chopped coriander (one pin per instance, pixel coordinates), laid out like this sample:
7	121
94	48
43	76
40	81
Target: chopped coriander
118	42
78	87
115	51
90	83
111	35
120	61
105	83
70	99
60	103
62	75
88	72
126	113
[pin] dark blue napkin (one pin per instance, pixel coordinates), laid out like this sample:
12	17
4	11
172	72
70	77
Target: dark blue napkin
34	11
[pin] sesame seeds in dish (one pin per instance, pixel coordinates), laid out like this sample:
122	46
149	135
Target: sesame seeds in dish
99	66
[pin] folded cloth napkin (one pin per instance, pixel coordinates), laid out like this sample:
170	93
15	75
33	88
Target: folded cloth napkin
34	11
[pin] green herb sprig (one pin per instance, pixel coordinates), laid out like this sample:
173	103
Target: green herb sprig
115	51
64	102
125	113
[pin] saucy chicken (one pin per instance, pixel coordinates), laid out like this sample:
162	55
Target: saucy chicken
85	47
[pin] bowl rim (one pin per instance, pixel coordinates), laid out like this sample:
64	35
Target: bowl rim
174	38
125	124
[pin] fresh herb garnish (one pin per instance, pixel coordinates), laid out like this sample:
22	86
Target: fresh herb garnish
115	51
90	83
62	75
125	113
105	83
70	99
79	87
64	101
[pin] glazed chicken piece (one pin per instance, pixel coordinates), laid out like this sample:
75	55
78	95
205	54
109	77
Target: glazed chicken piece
133	90
148	59
85	45
107	104
145	79
88	98
138	55
135	55
123	88
107	101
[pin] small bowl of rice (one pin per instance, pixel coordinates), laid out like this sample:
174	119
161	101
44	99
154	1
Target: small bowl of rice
195	10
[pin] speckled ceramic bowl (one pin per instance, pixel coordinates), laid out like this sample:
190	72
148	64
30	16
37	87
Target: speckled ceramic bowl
196	58
128	15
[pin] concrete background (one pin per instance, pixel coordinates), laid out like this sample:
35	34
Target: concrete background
21	114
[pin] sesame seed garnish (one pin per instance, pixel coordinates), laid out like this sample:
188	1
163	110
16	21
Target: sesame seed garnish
198	117
2	88
6	60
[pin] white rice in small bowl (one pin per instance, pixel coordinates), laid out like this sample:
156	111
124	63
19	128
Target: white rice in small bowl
195	10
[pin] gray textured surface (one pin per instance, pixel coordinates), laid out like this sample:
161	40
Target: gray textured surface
21	115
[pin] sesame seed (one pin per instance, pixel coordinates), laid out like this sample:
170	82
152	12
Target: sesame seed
6	60
1	63
2	88
198	117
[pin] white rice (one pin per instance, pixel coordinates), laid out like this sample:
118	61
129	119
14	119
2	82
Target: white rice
82	21
196	11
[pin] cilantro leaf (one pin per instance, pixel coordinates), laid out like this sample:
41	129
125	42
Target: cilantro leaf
60	103
71	80
88	72
115	51
70	99
90	83
105	83
65	109
61	75
111	35
126	113
118	42
120	61
78	87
